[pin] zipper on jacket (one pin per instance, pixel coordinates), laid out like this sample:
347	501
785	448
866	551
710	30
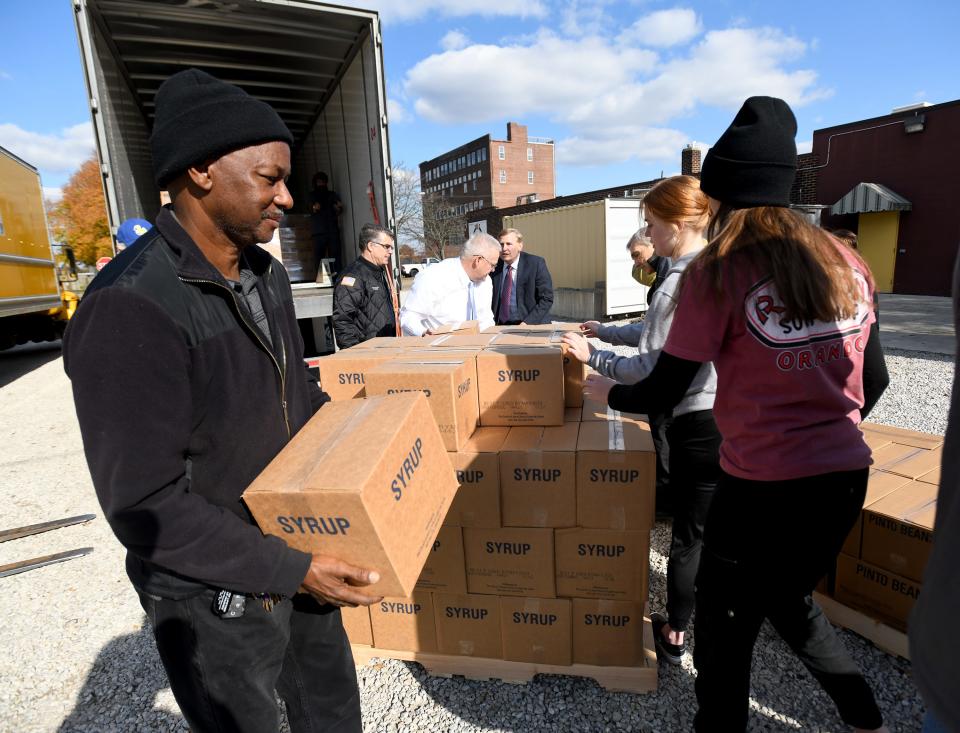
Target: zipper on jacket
256	334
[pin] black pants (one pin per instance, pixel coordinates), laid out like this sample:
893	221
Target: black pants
694	471
327	245
766	544
223	672
658	431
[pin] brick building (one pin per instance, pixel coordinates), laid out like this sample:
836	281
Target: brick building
892	179
488	173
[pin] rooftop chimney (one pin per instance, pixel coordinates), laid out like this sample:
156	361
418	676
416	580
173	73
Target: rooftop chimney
690	161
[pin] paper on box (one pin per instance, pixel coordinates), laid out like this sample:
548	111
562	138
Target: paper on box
602	563
509	561
366	481
616	475
477	467
607	633
450	387
444	569
536	630
468	625
521	386
407	624
898	529
538	476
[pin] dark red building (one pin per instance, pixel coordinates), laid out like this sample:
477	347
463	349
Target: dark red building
893	180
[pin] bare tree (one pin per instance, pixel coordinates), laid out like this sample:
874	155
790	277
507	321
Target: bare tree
407	209
442	227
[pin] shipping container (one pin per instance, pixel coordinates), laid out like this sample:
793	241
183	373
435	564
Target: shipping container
585	247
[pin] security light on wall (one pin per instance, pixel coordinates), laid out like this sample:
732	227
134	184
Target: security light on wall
915	123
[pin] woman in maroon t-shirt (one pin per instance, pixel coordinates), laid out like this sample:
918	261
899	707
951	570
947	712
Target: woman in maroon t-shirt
784	312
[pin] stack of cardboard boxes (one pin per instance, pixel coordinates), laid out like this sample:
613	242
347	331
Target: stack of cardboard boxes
880	568
543	555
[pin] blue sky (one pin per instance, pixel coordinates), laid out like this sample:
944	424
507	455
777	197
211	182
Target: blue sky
621	86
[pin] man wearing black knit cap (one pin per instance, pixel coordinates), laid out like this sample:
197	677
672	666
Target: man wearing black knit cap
207	384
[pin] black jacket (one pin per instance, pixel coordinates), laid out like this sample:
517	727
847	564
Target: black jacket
362	306
181	404
660	265
534	290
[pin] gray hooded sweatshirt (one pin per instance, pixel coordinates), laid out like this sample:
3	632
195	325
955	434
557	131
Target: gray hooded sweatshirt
649	337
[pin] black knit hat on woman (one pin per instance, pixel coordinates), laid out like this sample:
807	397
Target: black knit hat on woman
755	160
199	117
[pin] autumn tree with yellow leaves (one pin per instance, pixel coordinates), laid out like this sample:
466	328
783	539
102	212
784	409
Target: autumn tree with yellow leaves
80	217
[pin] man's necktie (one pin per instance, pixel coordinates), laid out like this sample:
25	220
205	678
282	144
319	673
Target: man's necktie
471	305
506	291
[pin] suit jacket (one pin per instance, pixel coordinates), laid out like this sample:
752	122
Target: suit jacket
534	290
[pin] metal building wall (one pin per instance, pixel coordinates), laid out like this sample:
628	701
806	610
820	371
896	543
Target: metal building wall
572	240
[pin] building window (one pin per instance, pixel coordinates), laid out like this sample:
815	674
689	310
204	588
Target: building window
501	153
529	176
503	176
474	185
529	153
464	187
483	153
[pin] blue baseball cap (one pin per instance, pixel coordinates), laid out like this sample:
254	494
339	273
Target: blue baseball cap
131	230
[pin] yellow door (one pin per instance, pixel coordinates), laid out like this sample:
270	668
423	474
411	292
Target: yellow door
877	242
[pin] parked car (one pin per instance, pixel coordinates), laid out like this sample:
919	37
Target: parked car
410	269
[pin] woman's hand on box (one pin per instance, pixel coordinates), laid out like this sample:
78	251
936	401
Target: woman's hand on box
578	346
335	582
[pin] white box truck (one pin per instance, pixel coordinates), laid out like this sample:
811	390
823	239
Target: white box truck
320	66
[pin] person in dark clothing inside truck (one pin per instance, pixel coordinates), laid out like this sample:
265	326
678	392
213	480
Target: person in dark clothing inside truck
188	378
784	311
364	298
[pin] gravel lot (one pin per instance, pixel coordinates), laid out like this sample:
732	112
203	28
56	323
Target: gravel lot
77	656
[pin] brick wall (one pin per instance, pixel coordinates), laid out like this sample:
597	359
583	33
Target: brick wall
516	166
804	189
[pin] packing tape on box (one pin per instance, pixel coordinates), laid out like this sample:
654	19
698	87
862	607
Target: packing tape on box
615	430
441	340
345	430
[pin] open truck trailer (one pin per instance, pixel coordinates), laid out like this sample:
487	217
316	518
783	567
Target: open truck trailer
320	67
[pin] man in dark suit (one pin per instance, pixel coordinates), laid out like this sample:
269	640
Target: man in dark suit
522	288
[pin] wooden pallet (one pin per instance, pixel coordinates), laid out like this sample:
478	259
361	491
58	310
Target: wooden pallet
640	679
891	640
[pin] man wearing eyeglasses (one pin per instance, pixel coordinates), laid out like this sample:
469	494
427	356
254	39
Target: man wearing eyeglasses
456	289
364	298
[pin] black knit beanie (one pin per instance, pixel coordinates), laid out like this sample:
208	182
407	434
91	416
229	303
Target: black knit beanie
755	160
199	117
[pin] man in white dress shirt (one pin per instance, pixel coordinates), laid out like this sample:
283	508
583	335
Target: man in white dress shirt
457	289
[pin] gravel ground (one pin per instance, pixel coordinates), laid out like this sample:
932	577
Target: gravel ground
77	656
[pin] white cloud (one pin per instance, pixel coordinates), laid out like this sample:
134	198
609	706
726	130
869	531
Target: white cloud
617	102
53	194
58	153
664	28
640	143
545	77
585	17
804	146
396	112
400	11
454	40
